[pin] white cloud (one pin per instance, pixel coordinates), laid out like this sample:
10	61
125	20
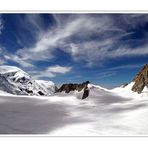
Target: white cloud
36	74
58	69
51	71
18	60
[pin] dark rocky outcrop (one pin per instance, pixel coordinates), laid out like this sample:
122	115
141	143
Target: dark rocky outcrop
41	93
86	93
141	80
124	85
28	91
78	87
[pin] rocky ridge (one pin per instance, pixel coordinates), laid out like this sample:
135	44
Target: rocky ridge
76	87
141	80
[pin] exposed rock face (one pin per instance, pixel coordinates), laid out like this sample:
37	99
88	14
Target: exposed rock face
141	80
72	87
86	93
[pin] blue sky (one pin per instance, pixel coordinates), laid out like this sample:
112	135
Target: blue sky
106	49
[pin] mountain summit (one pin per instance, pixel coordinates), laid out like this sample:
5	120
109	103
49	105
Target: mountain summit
141	80
16	81
137	88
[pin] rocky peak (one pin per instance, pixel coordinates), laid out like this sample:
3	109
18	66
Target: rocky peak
74	86
141	80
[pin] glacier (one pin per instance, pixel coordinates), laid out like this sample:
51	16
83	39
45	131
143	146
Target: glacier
103	113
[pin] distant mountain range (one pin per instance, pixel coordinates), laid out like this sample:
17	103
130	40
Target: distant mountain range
16	81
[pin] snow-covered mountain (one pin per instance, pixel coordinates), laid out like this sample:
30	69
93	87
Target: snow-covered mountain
16	81
48	86
137	88
81	91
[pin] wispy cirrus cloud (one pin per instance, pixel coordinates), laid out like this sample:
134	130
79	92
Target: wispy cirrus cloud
114	70
58	69
129	66
97	53
57	37
32	25
1	25
2	60
17	59
106	74
60	36
92	38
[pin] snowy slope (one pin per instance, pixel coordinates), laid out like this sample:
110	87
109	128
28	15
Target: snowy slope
102	113
16	81
127	91
96	86
48	86
138	88
106	113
